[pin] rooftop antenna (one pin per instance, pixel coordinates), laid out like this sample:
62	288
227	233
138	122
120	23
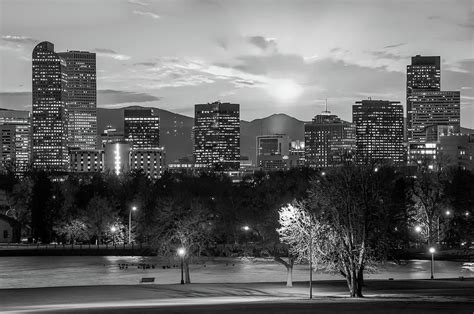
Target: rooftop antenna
326	111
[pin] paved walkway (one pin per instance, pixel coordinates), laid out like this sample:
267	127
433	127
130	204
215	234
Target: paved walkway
447	294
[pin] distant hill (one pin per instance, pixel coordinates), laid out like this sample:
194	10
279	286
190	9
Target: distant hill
274	124
176	130
467	131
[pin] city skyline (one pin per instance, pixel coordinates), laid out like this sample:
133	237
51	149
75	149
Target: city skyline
287	60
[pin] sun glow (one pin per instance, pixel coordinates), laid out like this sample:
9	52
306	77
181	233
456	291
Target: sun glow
285	90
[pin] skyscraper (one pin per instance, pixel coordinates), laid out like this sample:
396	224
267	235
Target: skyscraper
329	141
15	141
49	142
423	75
217	135
379	131
81	98
142	128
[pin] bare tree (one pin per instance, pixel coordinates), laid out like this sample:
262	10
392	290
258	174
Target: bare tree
427	193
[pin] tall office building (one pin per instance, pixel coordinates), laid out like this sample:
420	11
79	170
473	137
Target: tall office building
142	128
430	109
329	141
273	152
49	125
379	131
15	142
217	135
81	98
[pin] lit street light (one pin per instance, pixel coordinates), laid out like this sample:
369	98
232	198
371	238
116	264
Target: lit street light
432	251
134	208
181	253
418	229
246	228
113	229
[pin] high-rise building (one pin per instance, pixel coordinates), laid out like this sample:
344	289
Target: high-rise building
142	128
273	152
15	139
217	135
81	105
49	125
329	141
430	109
379	131
423	74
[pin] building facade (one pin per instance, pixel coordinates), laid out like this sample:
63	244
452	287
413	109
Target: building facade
142	128
81	89
15	140
150	161
273	152
217	135
431	109
86	160
379	131
49	118
329	141
117	158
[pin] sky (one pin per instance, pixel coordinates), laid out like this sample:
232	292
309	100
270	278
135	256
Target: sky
268	56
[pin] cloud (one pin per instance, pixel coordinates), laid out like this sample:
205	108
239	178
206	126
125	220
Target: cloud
387	55
138	2
147	14
395	45
109	53
146	64
109	96
264	43
22	100
19	39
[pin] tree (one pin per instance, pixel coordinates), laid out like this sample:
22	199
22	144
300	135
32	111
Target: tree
191	230
99	215
427	193
302	232
73	231
347	206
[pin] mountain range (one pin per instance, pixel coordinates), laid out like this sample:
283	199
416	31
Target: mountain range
176	130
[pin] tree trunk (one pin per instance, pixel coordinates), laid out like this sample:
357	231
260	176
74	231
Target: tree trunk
354	282
187	278
289	269
289	277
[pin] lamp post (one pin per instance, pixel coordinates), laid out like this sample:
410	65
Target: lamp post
448	212
181	253
310	264
134	208
432	251
113	229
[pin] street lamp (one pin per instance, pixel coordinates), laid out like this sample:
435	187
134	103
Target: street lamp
113	229
181	253
134	208
246	228
432	251
418	229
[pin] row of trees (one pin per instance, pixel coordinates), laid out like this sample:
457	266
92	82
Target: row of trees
343	220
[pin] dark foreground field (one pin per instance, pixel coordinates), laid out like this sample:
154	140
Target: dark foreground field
381	296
